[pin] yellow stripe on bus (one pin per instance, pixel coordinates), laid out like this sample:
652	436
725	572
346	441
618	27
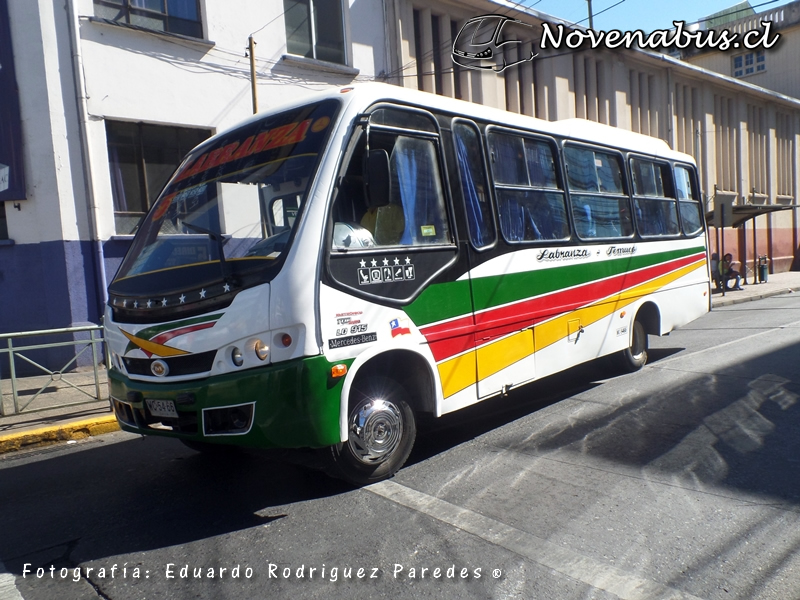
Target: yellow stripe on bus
495	357
550	332
457	373
460	372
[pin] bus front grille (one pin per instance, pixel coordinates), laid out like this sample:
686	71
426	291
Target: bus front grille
188	364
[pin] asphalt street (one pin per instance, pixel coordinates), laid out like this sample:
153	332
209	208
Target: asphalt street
679	481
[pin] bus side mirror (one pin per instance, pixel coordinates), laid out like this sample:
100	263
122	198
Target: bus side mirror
377	178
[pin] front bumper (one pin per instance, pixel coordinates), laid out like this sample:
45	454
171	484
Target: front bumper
288	405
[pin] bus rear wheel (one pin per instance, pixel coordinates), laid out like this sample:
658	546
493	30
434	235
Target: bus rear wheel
381	433
634	357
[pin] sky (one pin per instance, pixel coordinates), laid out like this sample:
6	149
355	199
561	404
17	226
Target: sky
647	15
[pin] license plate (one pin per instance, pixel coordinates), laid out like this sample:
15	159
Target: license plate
162	408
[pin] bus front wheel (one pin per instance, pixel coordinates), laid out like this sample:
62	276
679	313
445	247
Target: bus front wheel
381	433
634	357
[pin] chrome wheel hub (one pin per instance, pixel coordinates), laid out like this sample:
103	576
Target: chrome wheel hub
375	431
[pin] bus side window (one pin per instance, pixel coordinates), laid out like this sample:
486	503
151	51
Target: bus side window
689	201
530	201
472	177
654	200
351	205
416	193
413	214
600	205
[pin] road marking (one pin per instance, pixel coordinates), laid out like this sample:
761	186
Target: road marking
567	562
8	586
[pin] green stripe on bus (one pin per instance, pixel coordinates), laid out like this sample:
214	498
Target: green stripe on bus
441	301
448	300
151	332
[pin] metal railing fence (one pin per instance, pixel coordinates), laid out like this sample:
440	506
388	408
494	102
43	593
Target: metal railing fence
15	351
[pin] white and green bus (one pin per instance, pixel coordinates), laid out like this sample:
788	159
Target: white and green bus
325	273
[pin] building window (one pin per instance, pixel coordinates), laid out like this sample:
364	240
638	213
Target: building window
141	158
749	63
315	29
172	16
761	61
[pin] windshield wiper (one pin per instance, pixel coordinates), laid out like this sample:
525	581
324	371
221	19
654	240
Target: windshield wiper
220	241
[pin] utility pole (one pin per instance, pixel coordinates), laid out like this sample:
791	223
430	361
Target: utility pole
591	20
251	45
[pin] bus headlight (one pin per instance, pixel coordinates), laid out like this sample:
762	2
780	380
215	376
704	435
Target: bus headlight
262	350
236	357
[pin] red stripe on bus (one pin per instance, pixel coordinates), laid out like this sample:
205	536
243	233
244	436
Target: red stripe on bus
453	337
163	338
451	346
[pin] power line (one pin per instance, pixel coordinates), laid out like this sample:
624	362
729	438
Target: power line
602	11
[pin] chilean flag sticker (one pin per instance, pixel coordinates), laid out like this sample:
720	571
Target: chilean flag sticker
399	327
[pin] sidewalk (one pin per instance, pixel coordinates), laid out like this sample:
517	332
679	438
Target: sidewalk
28	430
777	284
48	420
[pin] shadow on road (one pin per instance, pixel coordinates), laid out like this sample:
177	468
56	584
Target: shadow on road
732	427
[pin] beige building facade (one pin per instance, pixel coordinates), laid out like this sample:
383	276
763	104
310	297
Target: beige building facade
775	68
744	138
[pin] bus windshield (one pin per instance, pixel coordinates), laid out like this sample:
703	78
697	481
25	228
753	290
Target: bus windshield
228	213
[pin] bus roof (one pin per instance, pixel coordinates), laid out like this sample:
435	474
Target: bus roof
358	97
365	94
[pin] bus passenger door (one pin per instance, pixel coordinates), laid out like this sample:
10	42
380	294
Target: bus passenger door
503	328
503	334
393	247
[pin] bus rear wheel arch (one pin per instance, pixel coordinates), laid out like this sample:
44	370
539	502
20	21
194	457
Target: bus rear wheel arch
381	432
647	321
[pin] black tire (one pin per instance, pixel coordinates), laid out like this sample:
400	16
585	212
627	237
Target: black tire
635	357
382	432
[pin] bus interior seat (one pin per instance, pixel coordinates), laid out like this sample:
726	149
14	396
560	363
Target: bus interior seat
351	235
385	223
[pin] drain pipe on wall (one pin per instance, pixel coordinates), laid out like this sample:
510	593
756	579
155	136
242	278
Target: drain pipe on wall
88	181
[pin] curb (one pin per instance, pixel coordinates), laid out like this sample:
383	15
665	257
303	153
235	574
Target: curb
729	301
76	430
